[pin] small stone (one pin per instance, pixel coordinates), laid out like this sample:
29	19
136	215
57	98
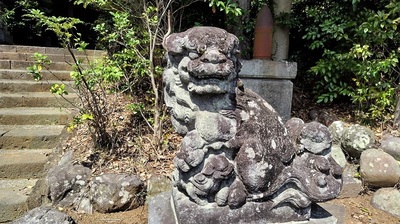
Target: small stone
338	155
352	186
315	137
388	200
356	139
379	169
391	145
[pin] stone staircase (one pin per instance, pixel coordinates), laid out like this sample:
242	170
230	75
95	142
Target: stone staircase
31	121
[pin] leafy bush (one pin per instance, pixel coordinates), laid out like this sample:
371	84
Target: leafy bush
360	51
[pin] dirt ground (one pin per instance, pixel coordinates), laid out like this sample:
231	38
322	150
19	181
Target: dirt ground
359	211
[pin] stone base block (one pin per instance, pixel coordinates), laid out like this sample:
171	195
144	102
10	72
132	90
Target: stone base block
276	92
162	210
188	212
351	185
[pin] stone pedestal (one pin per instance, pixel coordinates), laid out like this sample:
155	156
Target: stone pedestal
251	212
162	210
271	80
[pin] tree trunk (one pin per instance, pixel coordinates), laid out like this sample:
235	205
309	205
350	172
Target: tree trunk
280	46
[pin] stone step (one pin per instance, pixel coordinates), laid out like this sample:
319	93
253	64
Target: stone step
30	136
15	164
48	50
36	99
16	56
35	115
23	75
21	65
13	86
13	196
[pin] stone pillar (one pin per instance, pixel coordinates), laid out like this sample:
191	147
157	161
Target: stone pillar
271	80
280	46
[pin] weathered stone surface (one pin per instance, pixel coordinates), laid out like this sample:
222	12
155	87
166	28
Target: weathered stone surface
391	145
337	129
116	192
158	184
278	93
379	169
39	195
236	152
338	155
314	137
66	179
356	139
42	215
258	68
251	212
294	125
160	209
352	186
388	200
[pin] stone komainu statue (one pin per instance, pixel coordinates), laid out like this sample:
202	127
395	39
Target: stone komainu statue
237	154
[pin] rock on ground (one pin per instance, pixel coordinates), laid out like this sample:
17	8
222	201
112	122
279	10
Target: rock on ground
352	186
337	129
356	139
66	179
388	200
379	169
116	192
43	215
391	145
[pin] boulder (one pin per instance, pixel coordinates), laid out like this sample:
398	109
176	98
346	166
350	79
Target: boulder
116	192
65	180
356	139
337	129
388	200
44	214
379	169
391	145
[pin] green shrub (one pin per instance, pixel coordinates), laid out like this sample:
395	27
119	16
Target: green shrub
360	55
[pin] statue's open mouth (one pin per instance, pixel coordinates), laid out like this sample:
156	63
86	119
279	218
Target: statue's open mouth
210	78
210	70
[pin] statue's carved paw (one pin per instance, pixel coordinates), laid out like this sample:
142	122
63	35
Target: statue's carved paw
181	164
221	198
237	194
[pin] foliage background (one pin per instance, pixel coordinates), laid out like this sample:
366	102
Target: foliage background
347	51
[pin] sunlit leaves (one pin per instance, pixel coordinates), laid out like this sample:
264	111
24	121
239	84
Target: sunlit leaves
361	51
